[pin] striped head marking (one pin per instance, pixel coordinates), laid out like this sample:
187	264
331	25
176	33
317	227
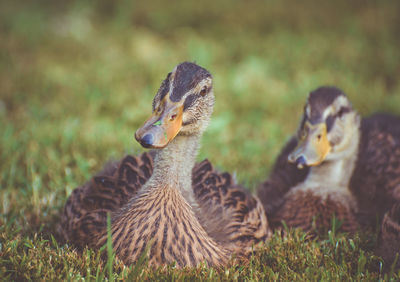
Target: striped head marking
182	105
327	122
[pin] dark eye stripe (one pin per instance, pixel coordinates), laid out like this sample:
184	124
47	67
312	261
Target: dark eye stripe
330	120
189	101
343	110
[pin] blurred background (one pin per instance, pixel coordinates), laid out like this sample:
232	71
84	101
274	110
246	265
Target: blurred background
77	79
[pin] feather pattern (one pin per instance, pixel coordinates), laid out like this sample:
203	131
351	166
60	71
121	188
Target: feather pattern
181	212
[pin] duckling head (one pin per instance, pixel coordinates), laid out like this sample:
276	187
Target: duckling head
329	128
182	106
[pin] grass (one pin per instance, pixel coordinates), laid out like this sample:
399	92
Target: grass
77	79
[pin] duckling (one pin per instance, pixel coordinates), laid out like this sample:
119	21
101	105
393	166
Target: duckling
184	213
338	164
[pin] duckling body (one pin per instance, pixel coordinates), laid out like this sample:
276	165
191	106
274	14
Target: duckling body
316	213
163	216
340	165
183	213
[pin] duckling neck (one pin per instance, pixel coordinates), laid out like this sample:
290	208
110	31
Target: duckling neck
338	168
174	164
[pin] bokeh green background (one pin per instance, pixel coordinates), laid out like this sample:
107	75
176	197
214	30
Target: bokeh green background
77	79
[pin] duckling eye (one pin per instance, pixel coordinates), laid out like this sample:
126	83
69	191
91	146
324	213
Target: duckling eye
319	137
203	91
173	117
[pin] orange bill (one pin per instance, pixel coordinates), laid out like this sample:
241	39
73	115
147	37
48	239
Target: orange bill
313	146
161	127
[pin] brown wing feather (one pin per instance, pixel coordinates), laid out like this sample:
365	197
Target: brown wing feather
86	209
229	213
376	179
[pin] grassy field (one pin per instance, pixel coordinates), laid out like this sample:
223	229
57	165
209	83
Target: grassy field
77	79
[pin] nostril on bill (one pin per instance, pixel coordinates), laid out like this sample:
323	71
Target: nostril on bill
301	162
292	158
147	140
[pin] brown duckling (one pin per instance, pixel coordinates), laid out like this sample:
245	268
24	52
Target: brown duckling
185	213
338	164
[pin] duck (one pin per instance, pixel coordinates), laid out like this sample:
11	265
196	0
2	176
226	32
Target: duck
340	170
162	202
